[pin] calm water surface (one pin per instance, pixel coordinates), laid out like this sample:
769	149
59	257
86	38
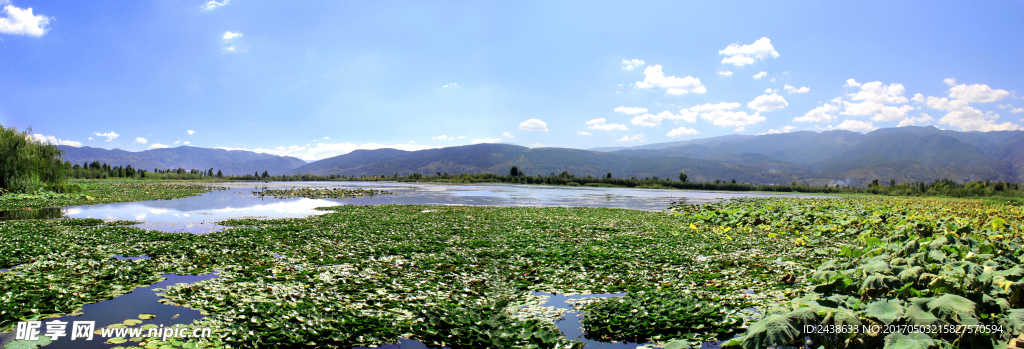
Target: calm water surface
199	214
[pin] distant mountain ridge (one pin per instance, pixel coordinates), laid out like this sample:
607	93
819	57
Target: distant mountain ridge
904	154
230	162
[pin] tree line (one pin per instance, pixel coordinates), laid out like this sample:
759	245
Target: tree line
28	165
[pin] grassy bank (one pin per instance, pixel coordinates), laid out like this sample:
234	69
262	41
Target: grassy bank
102	192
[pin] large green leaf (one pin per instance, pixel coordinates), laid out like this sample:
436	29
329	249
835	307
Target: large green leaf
770	331
954	309
803	317
841	317
876	267
911	274
898	340
886	310
879	281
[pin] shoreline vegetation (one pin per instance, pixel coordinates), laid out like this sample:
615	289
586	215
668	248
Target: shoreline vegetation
993	191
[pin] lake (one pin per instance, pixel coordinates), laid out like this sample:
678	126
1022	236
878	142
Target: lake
200	214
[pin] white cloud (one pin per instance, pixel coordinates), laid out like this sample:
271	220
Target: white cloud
140	140
711	107
230	48
767	103
110	135
960	114
918	98
585	133
228	35
442	137
507	135
921	120
970	119
654	77
725	73
636	137
450	85
599	124
461	137
631	64
878	93
654	120
760	75
1012	109
784	129
739	119
55	140
190	132
977	93
327	137
875	96
740	55
630	110
90	138
176	142
186	143
878	112
533	125
949	81
854	125
158	146
486	140
213	4
682	132
791	89
646	120
771	90
823	113
17	21
536	145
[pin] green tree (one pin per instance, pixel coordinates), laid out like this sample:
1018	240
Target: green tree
682	176
514	172
27	164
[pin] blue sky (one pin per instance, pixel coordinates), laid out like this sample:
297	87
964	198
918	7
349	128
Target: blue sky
317	79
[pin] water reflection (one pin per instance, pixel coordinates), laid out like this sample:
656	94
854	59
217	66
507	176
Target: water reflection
198	214
141	300
42	213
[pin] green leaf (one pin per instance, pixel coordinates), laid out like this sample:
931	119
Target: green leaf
24	344
770	331
954	309
898	340
886	310
146	316
842	318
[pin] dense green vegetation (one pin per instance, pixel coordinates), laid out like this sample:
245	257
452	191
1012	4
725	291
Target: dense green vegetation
951	268
418	271
102	192
465	276
319	193
28	165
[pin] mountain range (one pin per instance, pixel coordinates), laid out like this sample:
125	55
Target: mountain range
904	154
230	162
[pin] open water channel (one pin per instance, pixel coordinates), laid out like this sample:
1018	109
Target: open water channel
200	214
